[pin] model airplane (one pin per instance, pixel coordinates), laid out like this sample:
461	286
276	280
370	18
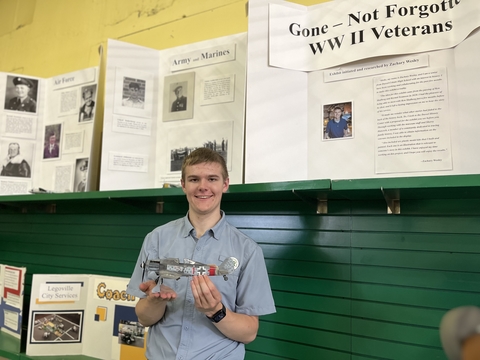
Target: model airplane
172	268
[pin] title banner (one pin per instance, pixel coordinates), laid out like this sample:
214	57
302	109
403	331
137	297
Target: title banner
338	32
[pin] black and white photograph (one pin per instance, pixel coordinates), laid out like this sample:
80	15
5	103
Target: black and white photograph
337	121
52	138
56	327
87	109
16	158
182	140
179	102
133	94
21	94
178	93
131	333
177	155
81	175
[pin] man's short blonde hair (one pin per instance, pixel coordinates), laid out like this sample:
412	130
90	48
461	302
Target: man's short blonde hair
204	155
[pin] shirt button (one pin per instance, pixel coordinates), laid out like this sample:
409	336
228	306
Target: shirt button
186	327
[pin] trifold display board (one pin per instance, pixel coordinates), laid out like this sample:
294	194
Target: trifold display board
161	105
87	315
47	130
12	281
353	89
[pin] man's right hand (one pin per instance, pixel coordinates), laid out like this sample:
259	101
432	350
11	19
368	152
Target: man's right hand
165	292
151	309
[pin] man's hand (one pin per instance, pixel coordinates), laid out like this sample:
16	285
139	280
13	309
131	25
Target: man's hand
165	293
152	308
208	299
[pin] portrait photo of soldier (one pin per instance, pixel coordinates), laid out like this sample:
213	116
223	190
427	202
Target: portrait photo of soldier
178	96
21	94
180	102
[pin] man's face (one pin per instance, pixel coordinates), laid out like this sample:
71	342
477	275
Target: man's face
204	186
337	113
52	139
22	90
88	97
13	150
134	92
179	92
82	171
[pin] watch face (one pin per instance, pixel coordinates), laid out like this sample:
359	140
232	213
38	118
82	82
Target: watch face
219	316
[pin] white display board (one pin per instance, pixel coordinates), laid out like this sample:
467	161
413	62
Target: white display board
87	315
47	137
403	85
161	105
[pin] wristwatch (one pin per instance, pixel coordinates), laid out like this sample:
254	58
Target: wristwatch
219	315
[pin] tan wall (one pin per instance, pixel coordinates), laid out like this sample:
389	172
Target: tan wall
45	38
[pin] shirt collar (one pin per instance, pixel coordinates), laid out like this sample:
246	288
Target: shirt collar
215	231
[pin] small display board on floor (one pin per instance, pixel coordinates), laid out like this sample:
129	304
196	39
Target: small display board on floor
89	315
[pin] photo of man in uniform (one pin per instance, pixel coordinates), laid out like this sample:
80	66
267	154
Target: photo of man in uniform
180	103
23	101
177	89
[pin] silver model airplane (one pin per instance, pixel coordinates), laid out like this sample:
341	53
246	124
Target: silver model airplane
172	268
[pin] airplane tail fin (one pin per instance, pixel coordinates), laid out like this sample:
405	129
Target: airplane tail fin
228	266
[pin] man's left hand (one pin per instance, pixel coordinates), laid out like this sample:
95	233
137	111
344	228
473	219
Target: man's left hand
208	299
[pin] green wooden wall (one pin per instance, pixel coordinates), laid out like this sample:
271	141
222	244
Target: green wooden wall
355	283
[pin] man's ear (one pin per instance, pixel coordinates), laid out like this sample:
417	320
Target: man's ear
226	184
183	184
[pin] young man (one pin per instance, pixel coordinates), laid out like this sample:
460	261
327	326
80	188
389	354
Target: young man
51	150
202	317
134	99
337	127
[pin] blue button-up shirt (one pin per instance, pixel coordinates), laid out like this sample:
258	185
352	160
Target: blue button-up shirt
185	333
